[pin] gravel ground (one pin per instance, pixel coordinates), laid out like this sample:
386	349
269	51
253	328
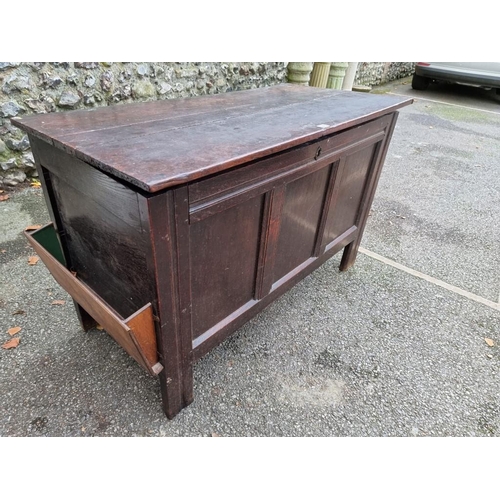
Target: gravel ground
374	351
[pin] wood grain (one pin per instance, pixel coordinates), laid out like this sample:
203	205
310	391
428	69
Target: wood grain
141	324
151	145
207	209
140	347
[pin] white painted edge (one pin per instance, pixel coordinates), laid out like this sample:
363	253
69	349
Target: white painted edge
447	103
430	279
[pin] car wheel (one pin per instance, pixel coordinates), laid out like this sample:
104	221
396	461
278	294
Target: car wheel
420	82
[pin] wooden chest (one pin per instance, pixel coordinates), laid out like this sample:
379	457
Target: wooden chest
174	222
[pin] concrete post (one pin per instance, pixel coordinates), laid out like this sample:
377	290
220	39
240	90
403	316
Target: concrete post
350	74
319	75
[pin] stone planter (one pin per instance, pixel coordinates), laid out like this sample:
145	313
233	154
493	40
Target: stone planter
299	72
319	75
336	76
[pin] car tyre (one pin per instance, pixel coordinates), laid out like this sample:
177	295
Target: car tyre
420	82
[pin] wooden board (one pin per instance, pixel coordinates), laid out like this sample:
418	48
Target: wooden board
135	334
164	143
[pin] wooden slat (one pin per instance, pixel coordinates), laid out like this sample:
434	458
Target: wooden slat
271	222
138	345
330	202
141	324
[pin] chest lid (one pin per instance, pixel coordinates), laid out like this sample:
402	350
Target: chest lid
159	144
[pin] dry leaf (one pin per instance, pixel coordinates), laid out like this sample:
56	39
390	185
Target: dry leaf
73	273
99	327
490	342
19	311
2	191
33	227
215	435
58	302
4	197
33	260
35	184
3	251
11	344
14	330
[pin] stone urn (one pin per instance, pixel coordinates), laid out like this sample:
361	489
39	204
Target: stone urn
336	75
299	72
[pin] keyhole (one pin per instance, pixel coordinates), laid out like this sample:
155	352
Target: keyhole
318	152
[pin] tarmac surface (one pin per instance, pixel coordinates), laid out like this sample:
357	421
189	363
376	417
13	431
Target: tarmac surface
399	345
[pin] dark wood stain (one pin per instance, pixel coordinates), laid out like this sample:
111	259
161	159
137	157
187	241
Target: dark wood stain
157	153
207	208
135	334
224	252
300	219
343	212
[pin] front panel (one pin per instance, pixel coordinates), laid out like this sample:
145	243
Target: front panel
300	217
255	230
353	176
224	252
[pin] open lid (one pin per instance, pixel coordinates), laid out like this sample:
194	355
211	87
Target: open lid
158	144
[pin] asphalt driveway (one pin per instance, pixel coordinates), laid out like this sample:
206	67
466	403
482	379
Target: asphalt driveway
405	343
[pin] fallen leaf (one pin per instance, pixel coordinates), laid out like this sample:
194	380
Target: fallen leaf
14	330
11	344
4	197
33	260
99	327
58	302
73	273
215	435
19	311
33	227
3	251
490	342
35	184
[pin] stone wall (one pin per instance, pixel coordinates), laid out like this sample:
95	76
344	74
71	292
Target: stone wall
377	73
27	88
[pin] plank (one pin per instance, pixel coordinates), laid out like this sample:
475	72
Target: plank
105	315
208	136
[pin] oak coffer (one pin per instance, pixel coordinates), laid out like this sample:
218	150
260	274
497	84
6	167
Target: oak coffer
176	221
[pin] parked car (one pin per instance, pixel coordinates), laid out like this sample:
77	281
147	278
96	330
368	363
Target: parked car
476	74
